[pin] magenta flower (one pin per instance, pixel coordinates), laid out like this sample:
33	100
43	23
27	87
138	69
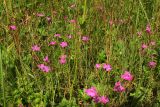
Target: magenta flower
40	14
152	64
62	59
52	43
35	48
12	27
148	29
107	67
118	87
144	46
98	66
46	59
92	92
44	68
103	99
85	38
57	35
127	76
63	44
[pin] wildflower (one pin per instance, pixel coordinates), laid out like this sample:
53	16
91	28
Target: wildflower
44	68
69	36
118	87
46	59
152	43
57	35
98	66
48	19
35	48
107	67
103	99
144	46
127	76
62	59
152	64
12	27
85	38
63	44
52	43
111	22
148	29
72	21
40	14
139	33
92	92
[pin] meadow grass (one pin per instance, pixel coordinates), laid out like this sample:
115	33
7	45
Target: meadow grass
124	34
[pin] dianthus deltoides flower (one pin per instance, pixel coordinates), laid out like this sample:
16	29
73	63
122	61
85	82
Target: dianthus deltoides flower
103	100
118	87
44	68
152	64
92	92
127	76
107	67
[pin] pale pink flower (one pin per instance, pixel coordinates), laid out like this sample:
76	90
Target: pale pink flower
40	14
152	43
35	48
57	35
48	19
111	22
103	99
127	76
62	59
118	87
152	64
12	27
139	33
107	67
148	29
46	59
52	43
98	66
69	36
85	38
44	68
144	46
63	44
72	21
92	92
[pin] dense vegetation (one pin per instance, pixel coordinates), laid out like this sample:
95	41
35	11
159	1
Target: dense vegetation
71	53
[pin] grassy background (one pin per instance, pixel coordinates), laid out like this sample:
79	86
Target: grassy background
22	82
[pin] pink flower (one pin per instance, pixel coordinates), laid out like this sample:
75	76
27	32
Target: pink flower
118	87
40	14
92	92
57	35
46	59
44	68
62	59
152	43
85	38
63	44
48	19
35	48
52	43
98	66
127	76
148	29
107	67
139	33
152	64
144	46
69	36
111	22
72	21
12	27
103	99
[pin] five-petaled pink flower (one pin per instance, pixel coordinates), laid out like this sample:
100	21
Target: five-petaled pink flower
127	76
69	36
118	87
144	46
72	21
52	43
148	29
85	38
62	59
46	59
63	44
12	27
92	92
57	35
103	100
98	66
40	14
44	68
139	33
107	67
35	48
152	43
152	64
